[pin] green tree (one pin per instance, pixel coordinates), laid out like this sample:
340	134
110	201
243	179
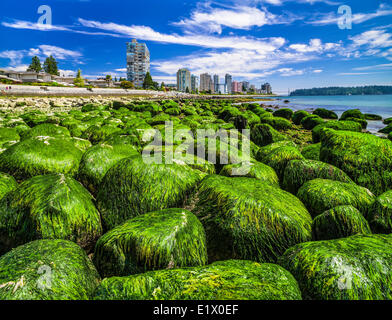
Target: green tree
79	81
187	90
148	82
127	85
35	65
50	66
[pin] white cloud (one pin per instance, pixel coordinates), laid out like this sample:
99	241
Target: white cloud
240	17
43	51
315	45
375	67
317	71
357	18
147	33
376	38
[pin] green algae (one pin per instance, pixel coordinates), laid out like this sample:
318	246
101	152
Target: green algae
298	172
312	151
320	195
48	207
40	155
252	169
97	160
47	270
249	219
167	239
380	214
263	135
336	125
367	159
7	184
339	222
354	268
134	186
224	280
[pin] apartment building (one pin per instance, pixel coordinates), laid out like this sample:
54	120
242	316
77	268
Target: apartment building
138	62
184	80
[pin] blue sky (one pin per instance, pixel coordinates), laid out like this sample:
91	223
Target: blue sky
291	44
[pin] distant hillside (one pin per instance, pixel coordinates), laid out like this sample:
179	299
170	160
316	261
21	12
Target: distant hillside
343	91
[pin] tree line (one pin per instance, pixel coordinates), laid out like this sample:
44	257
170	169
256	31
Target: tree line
343	91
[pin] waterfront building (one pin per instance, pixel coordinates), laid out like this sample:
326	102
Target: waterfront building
138	62
184	80
206	83
216	83
266	88
228	82
194	83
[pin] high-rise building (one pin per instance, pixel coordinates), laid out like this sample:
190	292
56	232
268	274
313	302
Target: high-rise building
206	83
228	81
266	88
245	85
138	62
194	83
183	80
216	83
236	87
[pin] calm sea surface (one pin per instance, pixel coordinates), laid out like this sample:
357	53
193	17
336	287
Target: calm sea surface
380	104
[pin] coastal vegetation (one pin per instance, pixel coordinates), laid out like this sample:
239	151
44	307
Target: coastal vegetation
343	91
193	199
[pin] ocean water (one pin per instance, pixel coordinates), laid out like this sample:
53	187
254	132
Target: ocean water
380	104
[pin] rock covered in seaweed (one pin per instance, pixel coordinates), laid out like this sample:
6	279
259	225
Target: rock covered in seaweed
249	219
320	195
40	155
171	238
98	160
46	129
48	207
223	280
280	157
298	172
312	152
134	186
367	159
263	134
339	222
7	184
354	268
47	270
252	169
336	125
380	215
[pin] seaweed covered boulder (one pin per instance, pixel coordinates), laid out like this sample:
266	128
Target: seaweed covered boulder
251	169
40	155
336	125
298	172
49	207
380	214
246	218
298	116
354	268
263	134
325	113
265	151
8	135
320	195
7	184
284	113
277	123
352	113
280	157
339	222
98	160
311	121
367	159
312	151
223	280
166	239
136	185
46	129
47	270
